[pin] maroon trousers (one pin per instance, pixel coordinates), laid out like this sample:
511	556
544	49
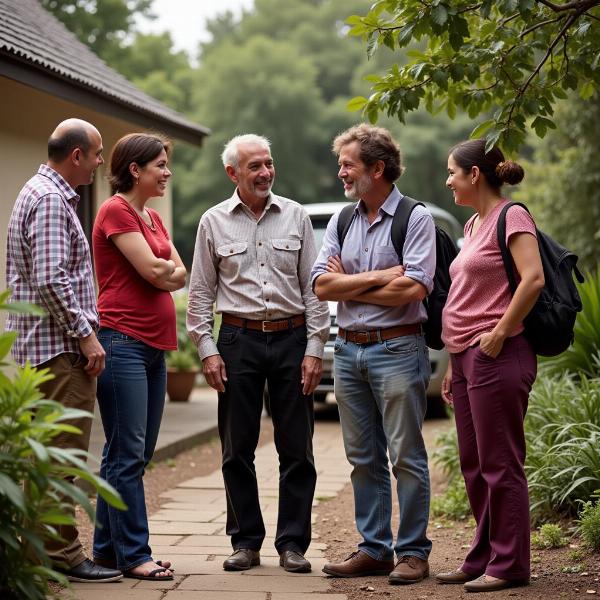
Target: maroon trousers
490	402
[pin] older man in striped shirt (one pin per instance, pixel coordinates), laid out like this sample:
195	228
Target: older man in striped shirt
253	257
48	264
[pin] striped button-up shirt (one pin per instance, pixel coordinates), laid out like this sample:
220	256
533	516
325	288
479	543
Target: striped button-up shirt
48	263
255	268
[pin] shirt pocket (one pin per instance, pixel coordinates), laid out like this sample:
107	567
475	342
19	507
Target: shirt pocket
232	256
285	253
384	257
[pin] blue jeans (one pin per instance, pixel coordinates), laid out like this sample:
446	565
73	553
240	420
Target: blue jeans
131	396
381	394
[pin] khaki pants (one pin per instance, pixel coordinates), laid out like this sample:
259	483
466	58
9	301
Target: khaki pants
73	388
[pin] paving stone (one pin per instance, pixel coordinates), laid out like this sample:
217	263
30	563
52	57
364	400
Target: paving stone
269	565
85	592
213	595
179	528
160	584
219	551
187	516
302	596
164	540
247	583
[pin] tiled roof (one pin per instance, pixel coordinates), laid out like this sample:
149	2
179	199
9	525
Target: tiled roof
31	35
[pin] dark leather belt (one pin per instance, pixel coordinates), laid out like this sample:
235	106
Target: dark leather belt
265	326
379	335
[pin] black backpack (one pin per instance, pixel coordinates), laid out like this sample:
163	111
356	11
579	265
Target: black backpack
550	323
445	252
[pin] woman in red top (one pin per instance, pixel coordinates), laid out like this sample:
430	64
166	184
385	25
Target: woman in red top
492	366
137	267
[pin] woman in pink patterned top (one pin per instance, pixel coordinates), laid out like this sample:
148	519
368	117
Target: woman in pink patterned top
492	366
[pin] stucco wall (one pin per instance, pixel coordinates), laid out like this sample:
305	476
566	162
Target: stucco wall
26	120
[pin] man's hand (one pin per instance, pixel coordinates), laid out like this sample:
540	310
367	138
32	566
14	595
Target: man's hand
94	352
312	369
334	265
214	371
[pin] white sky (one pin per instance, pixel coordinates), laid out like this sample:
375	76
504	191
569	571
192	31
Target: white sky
185	19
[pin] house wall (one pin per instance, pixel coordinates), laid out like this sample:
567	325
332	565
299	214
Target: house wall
27	118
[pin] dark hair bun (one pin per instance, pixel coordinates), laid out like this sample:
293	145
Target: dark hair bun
510	172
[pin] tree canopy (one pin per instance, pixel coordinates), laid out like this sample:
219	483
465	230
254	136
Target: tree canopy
508	60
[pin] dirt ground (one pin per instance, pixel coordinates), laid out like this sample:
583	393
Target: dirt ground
555	573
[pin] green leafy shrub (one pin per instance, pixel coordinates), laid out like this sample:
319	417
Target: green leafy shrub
446	454
549	536
589	524
185	358
30	513
583	356
453	503
562	429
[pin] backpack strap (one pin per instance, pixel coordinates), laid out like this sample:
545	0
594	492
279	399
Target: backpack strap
345	219
506	256
400	223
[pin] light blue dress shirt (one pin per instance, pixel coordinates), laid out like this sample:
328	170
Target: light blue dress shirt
368	247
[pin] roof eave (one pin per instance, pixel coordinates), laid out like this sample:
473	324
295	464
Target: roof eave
53	83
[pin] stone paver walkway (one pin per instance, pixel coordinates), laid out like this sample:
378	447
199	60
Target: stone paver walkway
189	530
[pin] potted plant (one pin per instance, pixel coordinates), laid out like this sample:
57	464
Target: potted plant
183	364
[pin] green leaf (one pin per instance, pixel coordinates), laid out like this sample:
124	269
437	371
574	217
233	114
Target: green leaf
13	492
56	517
25	307
6	341
586	91
439	14
482	129
357	103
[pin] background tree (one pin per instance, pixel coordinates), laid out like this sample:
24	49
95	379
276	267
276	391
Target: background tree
104	25
515	57
562	183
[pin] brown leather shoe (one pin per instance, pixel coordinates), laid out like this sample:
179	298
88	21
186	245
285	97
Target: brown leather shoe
242	559
409	569
485	583
359	564
294	562
456	576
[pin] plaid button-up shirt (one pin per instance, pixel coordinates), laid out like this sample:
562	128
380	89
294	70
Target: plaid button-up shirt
48	263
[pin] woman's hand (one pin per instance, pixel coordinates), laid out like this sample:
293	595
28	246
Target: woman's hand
491	343
447	386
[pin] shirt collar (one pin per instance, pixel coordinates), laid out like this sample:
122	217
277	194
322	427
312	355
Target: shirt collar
70	194
388	207
236	201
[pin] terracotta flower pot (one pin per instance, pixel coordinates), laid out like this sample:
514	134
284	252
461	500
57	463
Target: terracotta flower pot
180	384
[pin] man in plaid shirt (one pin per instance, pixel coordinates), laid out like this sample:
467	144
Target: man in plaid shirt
48	263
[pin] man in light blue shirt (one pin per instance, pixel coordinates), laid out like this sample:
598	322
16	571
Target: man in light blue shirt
382	364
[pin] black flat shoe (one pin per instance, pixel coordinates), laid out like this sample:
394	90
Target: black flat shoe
90	572
294	562
241	560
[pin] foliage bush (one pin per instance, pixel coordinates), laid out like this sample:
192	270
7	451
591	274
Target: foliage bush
453	503
589	523
563	444
549	536
583	356
30	513
185	358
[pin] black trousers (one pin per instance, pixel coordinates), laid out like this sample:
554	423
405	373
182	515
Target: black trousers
251	358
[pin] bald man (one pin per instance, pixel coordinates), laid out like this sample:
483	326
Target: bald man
48	264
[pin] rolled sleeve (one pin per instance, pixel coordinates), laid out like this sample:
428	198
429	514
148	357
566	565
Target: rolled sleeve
419	248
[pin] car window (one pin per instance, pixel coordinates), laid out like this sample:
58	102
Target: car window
319	224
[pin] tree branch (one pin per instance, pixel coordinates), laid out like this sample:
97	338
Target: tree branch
540	24
577	5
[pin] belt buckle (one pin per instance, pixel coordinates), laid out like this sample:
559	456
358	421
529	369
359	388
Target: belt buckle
362	337
264	325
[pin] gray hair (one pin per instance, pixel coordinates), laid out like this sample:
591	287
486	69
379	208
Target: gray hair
231	152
